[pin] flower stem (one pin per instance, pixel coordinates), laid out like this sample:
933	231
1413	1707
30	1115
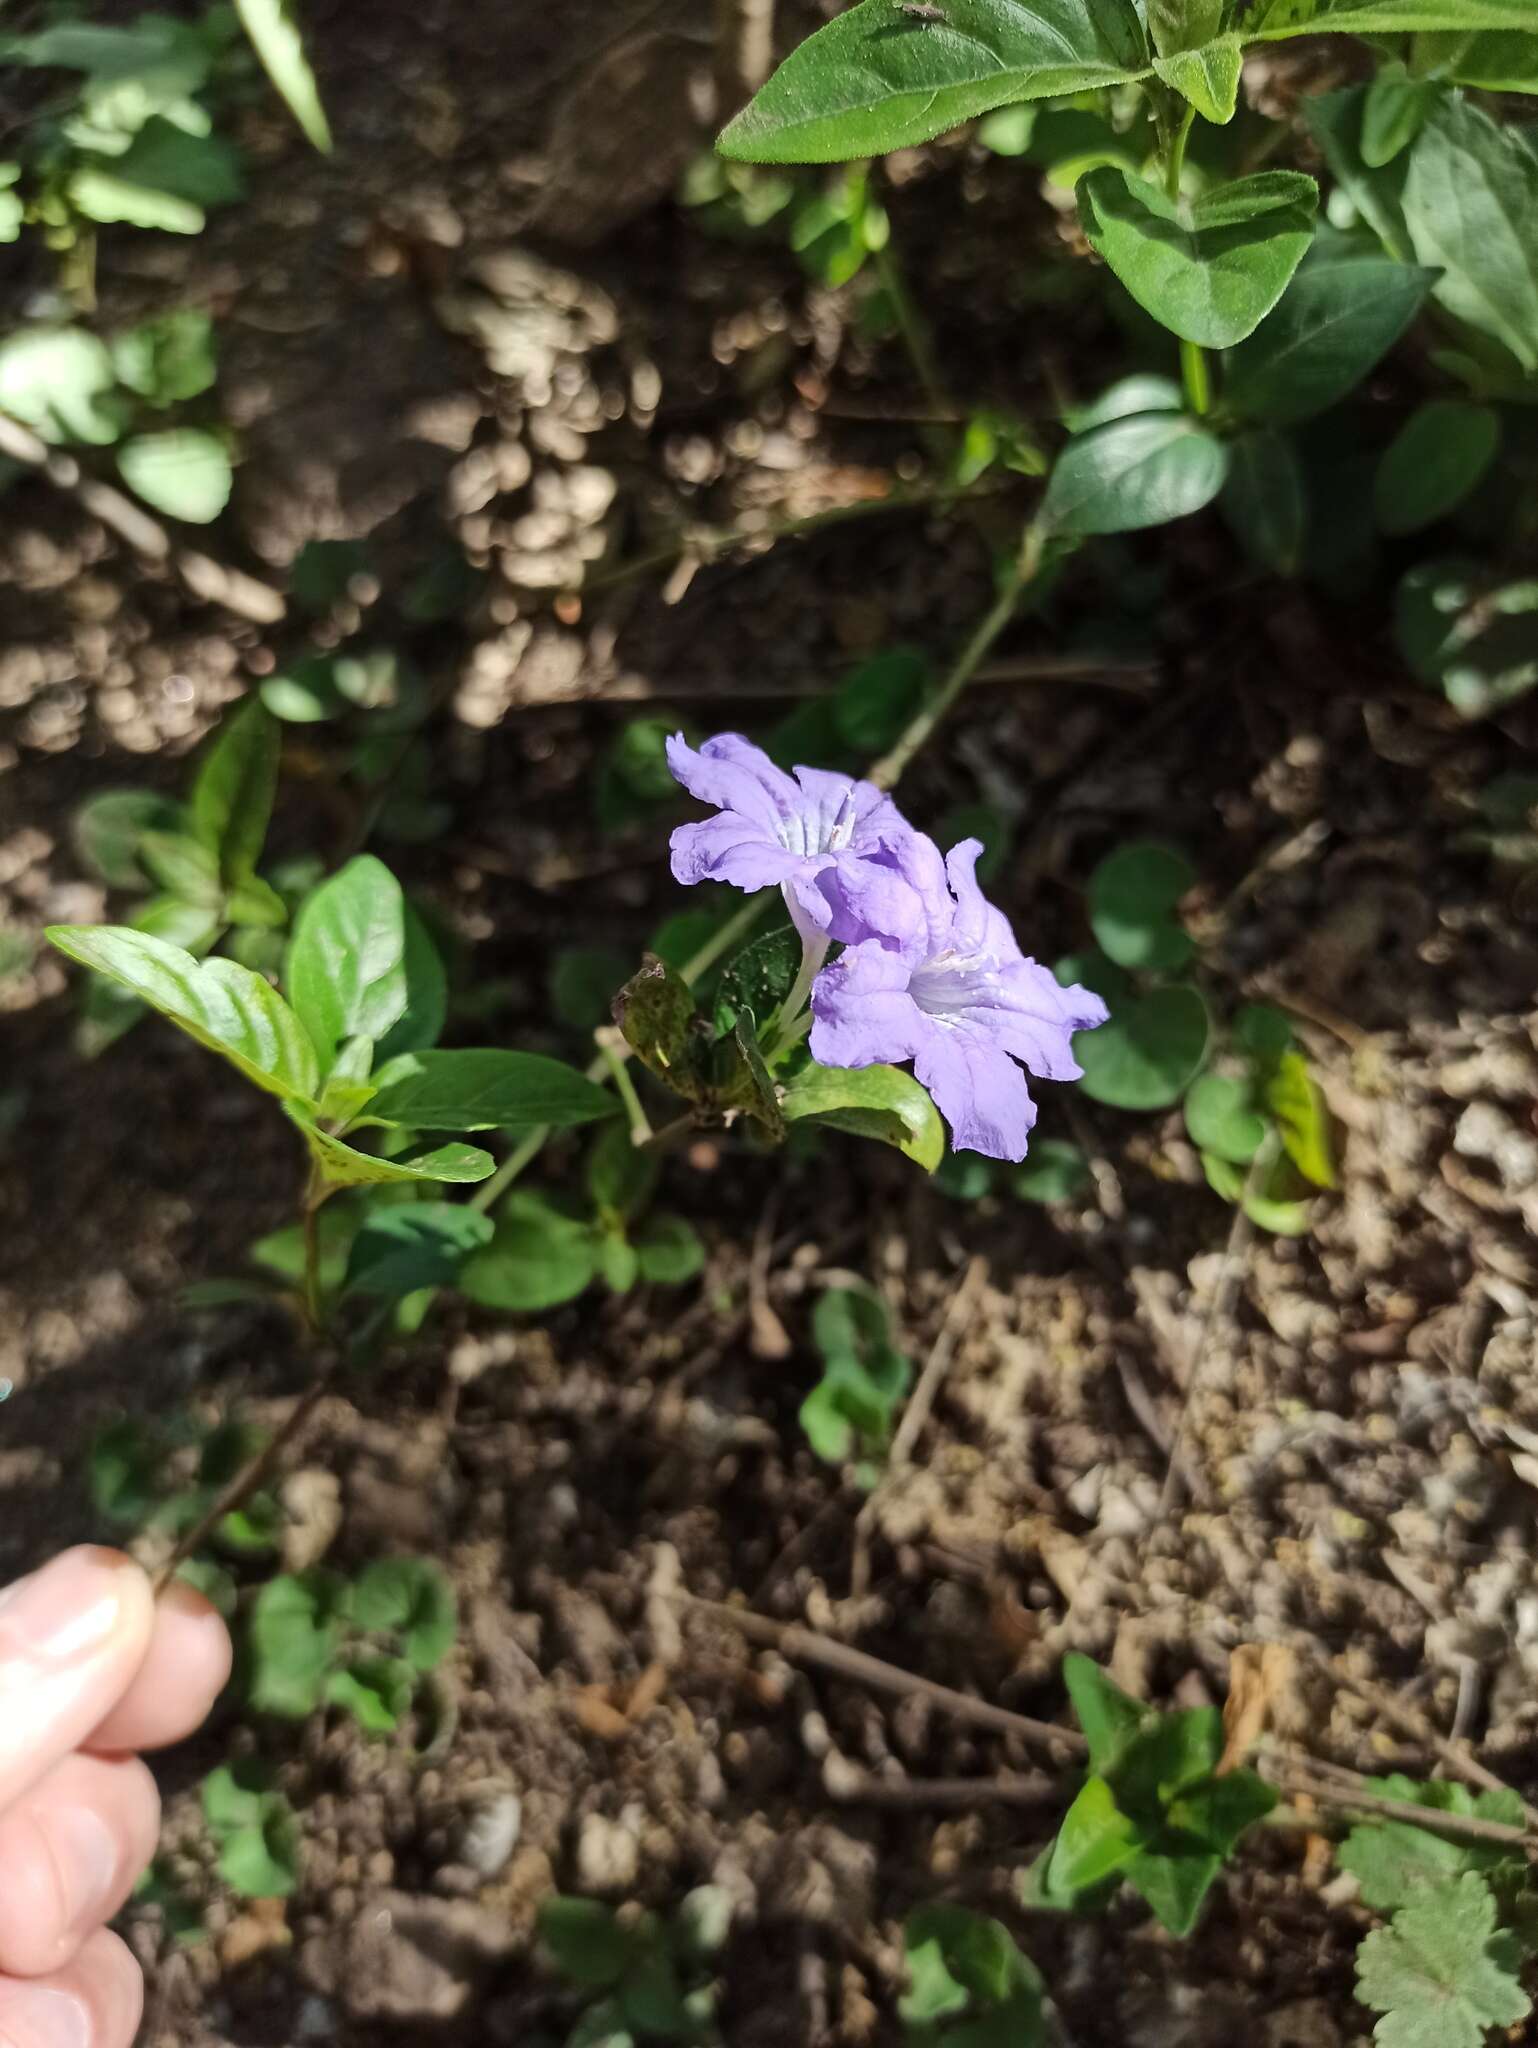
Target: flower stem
1022	570
814	951
613	1051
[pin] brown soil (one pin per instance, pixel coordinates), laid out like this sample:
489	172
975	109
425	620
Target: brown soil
443	331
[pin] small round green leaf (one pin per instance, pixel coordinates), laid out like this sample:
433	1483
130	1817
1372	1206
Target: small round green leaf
1433	462
1144	470
542	1255
1054	1171
1132	899
1221	1117
183	472
1148	1053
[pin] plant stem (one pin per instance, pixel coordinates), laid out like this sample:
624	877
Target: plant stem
1027	560
814	950
315	1194
914	331
1175	157
527	1149
1193	363
610	1048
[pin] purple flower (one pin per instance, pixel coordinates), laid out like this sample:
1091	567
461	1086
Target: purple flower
833	845
962	1002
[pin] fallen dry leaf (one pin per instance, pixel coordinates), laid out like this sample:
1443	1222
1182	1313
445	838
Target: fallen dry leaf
1259	1674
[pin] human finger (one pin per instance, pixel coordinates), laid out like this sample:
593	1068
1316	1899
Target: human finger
95	2002
70	1850
185	1668
72	1638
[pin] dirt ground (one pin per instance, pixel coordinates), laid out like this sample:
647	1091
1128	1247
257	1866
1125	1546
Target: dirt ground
476	321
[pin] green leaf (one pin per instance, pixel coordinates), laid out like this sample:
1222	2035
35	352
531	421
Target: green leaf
1095	1842
1175	1884
1221	1117
227	1008
54	380
217	1585
884	1103
183	472
1393	114
292	1639
1294	1099
1148	1053
487	1090
108	197
657	1015
1394	1861
276	39
1132	898
343	1166
1110	1718
1140	471
124	1472
618	1266
1340	315
408	1597
304	691
1471	205
542	1254
1007	132
1128	395
1465	631
420	1244
1498	61
1279	1204
346	970
757	979
1433	462
108	829
262	1861
322	571
376	1691
1336	121
1212	268
1263	1031
620	1175
1263	500
169	359
235	1795
183	866
933	1993
669	1251
583	980
1054	1171
1441	1974
878	79
1274	19
1220	1810
586	1943
1207	76
233	792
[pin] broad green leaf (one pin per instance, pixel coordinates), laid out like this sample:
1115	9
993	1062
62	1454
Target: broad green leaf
662	1025
1433	462
1138	393
872	1102
1167	1759
346	973
1499	61
1274	19
1095	1842
1140	471
343	1166
1336	121
1264	501
1132	898
166	160
184	472
376	1691
275	37
193	926
487	1091
1441	1974
1209	269
668	1251
543	1254
185	867
304	691
1207	76
1340	315
759	978
618	1266
262	1861
620	1175
227	1008
1007	132
233	791
1471	205
585	1941
1110	1718
109	828
1263	1031
169	359
1468	632
427	993
1177	25
1294	1099
1175	1883
1393	1860
879	78
932	1993
321	572
1221	1117
412	1598
235	1795
1054	1171
54	380
1148	1053
292	1638
1393	113
419	1244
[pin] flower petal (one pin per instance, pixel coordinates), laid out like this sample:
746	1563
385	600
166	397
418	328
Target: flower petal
869	900
862	1013
1036	1018
734	775
729	848
979	1091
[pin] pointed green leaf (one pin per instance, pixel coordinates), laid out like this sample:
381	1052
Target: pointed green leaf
276	39
1207	76
872	1102
1471	204
1140	471
1175	1884
419	1244
108	829
1499	61
1393	114
227	1008
879	78
1340	315
1109	1717
184	867
487	1091
1263	499
669	1251
233	791
1433	462
1096	1841
1295	1100
346	973
345	1167
1336	121
1274	19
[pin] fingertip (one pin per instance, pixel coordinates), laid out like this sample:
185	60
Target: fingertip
96	2003
185	1668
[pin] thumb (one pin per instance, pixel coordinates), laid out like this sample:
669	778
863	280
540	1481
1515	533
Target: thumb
72	1637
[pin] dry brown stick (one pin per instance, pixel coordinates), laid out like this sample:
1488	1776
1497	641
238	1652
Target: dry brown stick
205	578
1132	678
1309	1781
805	1646
850	1785
252	1476
915	1415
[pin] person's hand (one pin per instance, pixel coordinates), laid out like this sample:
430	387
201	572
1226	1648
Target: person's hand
90	1670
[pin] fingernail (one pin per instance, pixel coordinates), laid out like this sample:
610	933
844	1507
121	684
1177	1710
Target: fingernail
33	2016
66	1610
86	1852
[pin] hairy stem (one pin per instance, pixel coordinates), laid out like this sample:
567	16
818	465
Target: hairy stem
612	1050
1194	373
814	951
